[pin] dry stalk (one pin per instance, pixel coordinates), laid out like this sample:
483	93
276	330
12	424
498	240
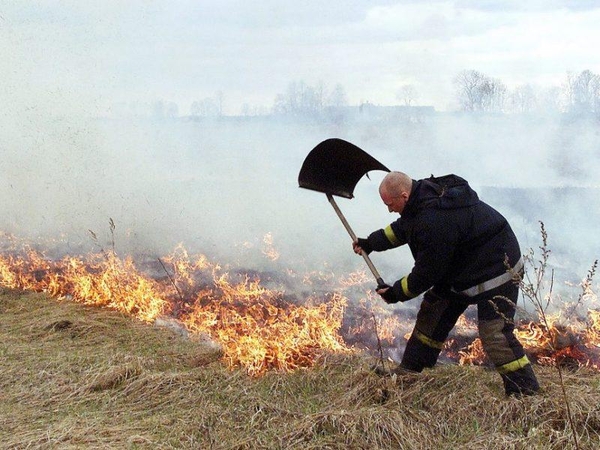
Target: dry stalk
111	224
110	257
533	289
379	347
586	285
172	281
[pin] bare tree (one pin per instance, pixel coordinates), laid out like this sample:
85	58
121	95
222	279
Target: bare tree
493	95
551	100
468	83
407	94
206	107
523	99
300	99
583	92
337	97
478	92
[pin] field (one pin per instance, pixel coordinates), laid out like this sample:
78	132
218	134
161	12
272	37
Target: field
73	376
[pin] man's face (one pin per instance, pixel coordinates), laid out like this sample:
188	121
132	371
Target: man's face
394	204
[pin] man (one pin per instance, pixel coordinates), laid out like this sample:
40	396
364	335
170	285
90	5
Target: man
461	247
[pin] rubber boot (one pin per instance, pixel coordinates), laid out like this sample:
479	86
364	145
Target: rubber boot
520	382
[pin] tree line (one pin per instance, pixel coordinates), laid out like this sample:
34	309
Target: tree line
474	92
579	93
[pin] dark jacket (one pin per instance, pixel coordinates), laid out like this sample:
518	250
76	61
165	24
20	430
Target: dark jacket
457	240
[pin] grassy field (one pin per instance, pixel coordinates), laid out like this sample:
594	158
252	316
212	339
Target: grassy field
73	376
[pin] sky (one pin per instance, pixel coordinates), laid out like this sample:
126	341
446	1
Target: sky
83	56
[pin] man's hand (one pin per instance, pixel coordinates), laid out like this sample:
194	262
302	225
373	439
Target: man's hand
391	294
387	293
361	245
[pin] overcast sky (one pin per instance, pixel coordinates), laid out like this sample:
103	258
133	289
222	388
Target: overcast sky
81	54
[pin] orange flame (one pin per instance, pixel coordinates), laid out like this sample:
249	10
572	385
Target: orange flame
258	330
593	329
101	280
262	329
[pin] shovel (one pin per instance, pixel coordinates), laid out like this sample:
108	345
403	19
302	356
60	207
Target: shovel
334	167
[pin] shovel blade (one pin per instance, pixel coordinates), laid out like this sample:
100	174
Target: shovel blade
335	166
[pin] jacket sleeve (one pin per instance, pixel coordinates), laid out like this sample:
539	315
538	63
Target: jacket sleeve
386	238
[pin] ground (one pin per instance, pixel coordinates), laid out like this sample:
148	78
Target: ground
73	376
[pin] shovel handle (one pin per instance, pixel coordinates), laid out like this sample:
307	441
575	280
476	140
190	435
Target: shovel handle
353	236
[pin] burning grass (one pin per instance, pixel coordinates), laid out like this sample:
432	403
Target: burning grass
258	328
75	376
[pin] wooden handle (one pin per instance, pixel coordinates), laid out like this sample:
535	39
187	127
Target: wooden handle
353	236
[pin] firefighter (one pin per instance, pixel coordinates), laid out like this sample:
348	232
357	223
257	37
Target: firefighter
462	249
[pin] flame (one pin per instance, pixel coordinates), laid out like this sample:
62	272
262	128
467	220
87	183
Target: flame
100	280
533	335
593	328
260	328
258	334
472	354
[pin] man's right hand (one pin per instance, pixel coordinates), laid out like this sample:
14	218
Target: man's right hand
361	245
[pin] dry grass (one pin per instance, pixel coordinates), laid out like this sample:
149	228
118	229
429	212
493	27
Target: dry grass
80	377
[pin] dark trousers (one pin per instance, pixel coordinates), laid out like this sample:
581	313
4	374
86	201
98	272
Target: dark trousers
496	309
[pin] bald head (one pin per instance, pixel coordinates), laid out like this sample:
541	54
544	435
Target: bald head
394	183
395	191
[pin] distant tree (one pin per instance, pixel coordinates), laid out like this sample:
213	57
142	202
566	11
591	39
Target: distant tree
171	110
468	84
494	94
551	100
583	92
320	94
219	98
245	111
207	107
523	99
337	97
280	105
478	92
248	110
301	99
407	94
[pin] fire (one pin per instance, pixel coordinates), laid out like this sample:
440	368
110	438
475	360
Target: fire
258	328
593	334
533	335
472	354
559	344
258	334
99	279
262	328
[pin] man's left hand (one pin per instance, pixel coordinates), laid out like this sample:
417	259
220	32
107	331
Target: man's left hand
387	293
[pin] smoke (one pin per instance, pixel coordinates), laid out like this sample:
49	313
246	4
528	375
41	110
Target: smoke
220	186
